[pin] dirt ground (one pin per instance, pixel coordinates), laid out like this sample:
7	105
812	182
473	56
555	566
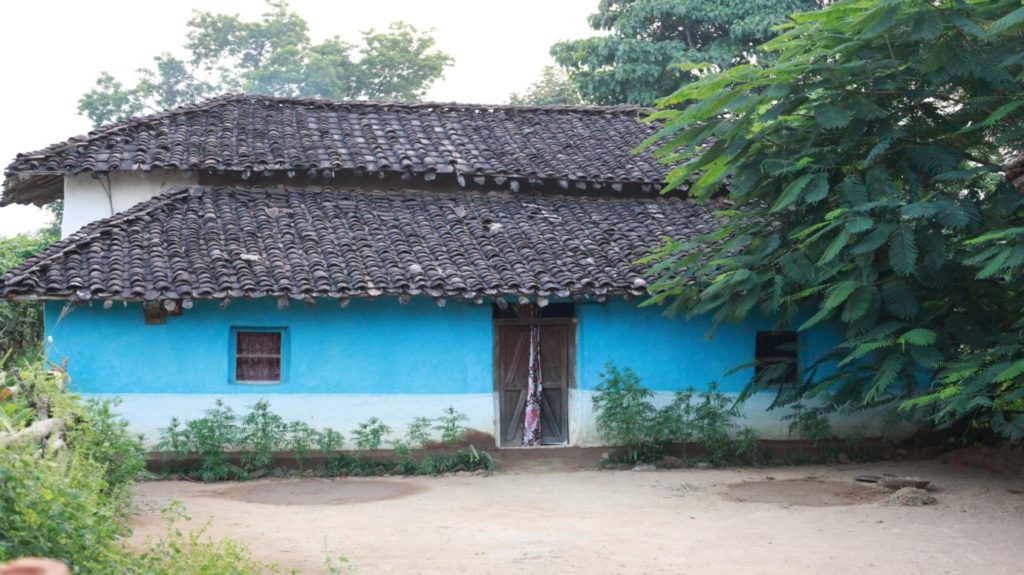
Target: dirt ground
811	519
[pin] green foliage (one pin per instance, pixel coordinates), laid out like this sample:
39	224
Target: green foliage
626	417
713	421
553	88
70	504
301	439
273	56
100	435
451	427
21	322
329	444
813	426
208	447
194	552
58	508
625	413
262	433
370	434
863	160
644	43
747	446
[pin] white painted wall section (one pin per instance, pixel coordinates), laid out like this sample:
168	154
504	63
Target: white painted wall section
87	199
148	412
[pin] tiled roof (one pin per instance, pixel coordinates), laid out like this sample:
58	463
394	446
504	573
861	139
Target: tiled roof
512	146
310	242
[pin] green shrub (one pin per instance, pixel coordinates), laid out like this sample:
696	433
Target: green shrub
302	437
813	426
714	419
370	434
625	415
58	507
262	435
193	553
100	435
450	426
329	443
70	504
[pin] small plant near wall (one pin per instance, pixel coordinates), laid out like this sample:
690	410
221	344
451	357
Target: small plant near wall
220	438
814	427
627	417
370	434
262	432
451	427
625	414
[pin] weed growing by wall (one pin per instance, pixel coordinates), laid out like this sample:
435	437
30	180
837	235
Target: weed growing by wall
222	445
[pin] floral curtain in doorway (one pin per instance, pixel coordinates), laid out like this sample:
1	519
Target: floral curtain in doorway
534	381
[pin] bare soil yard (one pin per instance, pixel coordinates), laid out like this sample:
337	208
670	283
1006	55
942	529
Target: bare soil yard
811	519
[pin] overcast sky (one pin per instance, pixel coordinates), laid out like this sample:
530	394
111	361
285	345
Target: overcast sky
52	51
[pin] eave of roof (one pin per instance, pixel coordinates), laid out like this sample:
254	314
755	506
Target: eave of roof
308	243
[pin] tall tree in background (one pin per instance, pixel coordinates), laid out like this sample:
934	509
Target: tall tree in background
634	63
273	56
553	88
865	173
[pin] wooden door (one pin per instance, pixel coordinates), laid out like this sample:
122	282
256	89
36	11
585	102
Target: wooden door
557	356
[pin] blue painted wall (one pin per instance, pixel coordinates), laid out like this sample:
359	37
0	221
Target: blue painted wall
368	347
383	347
671	354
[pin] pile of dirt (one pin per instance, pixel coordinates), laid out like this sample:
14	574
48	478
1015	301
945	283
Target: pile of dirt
318	491
911	497
809	491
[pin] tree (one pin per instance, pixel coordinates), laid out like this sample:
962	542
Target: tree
21	322
553	88
636	62
273	56
862	169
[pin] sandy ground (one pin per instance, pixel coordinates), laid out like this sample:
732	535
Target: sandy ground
811	519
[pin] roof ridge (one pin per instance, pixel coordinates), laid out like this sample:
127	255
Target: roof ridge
211	103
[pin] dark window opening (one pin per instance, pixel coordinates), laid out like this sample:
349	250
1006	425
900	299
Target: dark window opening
258	356
777	358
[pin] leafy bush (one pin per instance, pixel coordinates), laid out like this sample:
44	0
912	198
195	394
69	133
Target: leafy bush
262	433
813	426
221	437
713	419
100	435
329	443
68	501
21	322
450	426
626	417
370	434
625	414
58	507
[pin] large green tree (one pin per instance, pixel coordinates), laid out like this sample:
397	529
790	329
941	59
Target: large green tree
273	56
553	88
863	172
633	60
21	322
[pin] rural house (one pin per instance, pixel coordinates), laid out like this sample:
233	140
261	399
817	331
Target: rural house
356	259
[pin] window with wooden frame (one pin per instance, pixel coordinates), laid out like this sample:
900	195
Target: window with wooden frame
778	358
259	355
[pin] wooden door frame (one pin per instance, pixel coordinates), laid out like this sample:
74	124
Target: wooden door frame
573	323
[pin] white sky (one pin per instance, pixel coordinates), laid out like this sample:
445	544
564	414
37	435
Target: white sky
52	51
